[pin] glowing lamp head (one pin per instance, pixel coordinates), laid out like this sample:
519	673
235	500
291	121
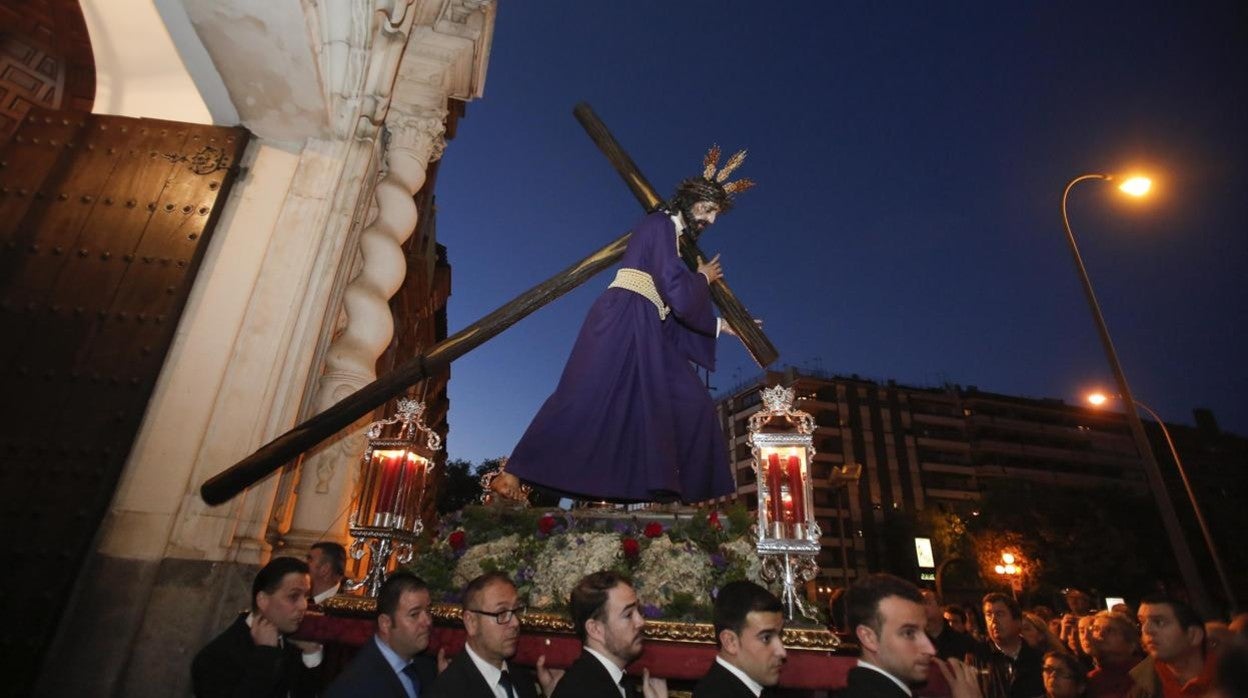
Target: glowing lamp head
1007	558
1097	399
1000	569
1011	569
1136	186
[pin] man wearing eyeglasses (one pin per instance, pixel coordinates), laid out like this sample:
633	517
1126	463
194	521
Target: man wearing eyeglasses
491	615
391	664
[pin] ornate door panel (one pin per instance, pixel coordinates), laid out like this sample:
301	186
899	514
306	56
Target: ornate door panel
103	222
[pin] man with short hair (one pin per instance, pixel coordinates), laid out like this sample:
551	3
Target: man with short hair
253	657
887	617
390	664
1178	664
955	616
491	617
1115	641
327	565
608	621
1014	667
947	641
749	625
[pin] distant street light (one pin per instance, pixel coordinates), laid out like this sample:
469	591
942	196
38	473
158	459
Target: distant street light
1137	186
1099	399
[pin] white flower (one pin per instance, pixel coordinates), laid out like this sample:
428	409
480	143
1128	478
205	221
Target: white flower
668	568
501	552
565	559
743	550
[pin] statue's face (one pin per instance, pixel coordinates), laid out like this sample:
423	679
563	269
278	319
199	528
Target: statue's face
702	214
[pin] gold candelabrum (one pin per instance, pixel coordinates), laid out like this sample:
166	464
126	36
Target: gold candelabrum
780	438
393	476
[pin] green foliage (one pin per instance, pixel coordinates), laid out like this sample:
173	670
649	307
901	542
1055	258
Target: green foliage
685	607
435	565
459	485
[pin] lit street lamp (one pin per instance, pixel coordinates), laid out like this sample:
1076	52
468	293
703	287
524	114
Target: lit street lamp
1137	186
1011	568
1099	399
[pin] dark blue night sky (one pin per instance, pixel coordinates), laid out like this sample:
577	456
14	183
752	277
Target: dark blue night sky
910	158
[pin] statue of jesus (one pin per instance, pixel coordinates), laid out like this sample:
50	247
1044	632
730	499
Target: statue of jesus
630	421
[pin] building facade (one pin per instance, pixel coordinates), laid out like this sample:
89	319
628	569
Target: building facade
925	447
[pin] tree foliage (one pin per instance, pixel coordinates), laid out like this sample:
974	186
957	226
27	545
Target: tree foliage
1104	540
460	484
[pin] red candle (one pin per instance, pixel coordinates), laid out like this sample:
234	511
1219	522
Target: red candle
388	489
774	478
406	498
797	490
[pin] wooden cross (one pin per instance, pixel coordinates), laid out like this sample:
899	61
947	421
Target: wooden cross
760	348
230	482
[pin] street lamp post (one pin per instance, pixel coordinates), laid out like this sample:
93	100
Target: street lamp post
1178	543
1097	399
1012	569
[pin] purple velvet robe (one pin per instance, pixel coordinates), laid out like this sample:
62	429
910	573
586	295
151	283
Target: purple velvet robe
630	421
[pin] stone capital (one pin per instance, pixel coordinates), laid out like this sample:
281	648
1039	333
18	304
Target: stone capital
419	133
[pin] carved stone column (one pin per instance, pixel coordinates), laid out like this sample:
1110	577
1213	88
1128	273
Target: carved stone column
415	139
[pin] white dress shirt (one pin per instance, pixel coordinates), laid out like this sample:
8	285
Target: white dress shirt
491	673
617	674
755	687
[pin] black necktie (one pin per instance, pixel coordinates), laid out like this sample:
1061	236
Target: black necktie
414	675
624	686
504	680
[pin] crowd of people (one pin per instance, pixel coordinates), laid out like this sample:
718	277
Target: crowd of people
1164	651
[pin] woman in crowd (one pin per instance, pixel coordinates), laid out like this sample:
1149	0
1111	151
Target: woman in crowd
1063	677
1038	636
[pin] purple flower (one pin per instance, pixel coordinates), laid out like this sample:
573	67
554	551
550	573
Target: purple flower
651	611
718	561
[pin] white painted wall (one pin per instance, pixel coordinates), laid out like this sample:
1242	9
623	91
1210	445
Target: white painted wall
158	476
138	69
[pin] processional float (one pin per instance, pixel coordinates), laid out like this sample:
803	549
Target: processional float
285	448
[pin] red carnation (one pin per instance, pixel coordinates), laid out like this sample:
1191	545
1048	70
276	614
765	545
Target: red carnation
654	529
713	521
457	540
546	524
631	547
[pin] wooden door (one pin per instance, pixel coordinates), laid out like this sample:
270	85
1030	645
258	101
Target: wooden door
103	222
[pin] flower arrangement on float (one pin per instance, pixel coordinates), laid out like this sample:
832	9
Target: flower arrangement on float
677	566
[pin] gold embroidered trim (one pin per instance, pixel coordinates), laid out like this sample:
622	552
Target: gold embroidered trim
640	282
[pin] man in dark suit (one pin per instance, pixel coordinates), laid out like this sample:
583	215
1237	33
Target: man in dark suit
947	641
391	665
253	658
887	616
610	626
749	625
327	566
491	616
1014	668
